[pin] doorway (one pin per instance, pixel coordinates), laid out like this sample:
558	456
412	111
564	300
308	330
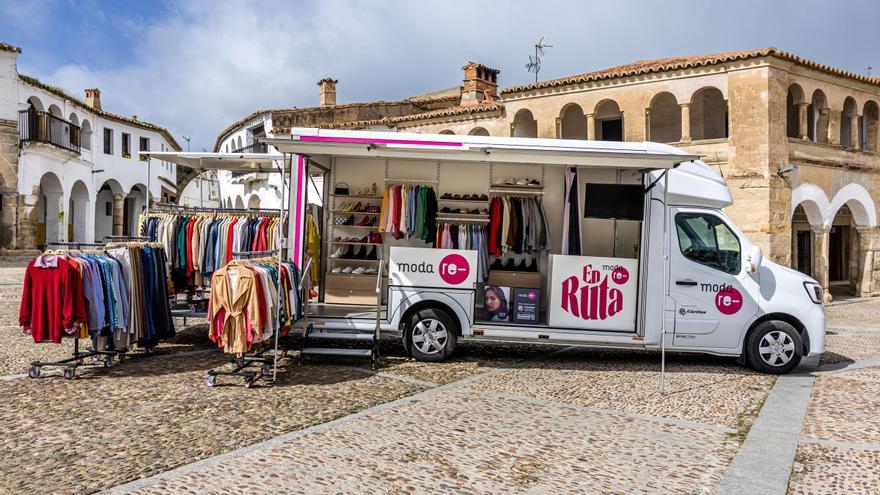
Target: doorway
838	254
804	261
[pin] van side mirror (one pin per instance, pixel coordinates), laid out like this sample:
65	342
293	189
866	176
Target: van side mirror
755	259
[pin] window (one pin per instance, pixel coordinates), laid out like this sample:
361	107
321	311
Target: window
126	145
144	146
108	141
704	238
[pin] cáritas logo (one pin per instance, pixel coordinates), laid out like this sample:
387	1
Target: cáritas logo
592	297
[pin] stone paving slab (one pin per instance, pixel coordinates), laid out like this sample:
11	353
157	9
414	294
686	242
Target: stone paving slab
152	415
845	407
458	441
700	388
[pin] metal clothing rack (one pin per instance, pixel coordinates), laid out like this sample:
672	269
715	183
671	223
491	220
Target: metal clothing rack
516	192
124	238
461	219
170	208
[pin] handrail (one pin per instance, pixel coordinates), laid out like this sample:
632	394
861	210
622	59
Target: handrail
376	336
302	279
43	127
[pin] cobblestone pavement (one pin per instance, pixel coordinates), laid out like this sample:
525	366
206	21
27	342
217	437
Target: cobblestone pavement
495	419
840	442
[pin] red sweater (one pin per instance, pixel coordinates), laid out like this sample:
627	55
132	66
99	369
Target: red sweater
51	301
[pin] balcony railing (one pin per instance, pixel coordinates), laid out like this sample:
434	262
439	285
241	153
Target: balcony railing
44	127
253	148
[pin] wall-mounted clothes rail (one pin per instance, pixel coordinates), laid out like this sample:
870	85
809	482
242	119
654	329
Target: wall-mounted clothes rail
462	219
165	208
515	192
252	254
75	244
412	181
123	238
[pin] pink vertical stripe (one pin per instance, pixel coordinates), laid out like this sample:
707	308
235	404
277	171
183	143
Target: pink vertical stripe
300	197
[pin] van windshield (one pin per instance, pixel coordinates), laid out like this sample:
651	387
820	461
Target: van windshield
705	239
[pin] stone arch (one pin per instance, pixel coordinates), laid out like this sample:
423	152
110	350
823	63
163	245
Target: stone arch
108	200
812	199
572	122
524	124
793	102
478	131
35	102
77	212
871	126
55	110
609	121
860	203
253	202
50	210
239	203
818	117
849	112
708	109
664	118
446	131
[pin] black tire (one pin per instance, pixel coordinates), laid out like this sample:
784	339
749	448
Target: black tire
422	341
774	347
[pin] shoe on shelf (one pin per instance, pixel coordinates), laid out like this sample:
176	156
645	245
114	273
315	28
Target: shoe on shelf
522	182
338	253
364	239
360	254
373	209
534	183
337	269
445	209
374	190
446	196
358	271
347	207
496	265
348	269
372	223
483	197
533	266
370	271
349	220
363	222
484	212
371	255
521	267
358	207
510	264
375	238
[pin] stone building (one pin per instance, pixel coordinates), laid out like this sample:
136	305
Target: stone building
797	141
69	169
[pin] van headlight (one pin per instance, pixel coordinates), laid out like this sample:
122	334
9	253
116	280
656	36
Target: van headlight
814	290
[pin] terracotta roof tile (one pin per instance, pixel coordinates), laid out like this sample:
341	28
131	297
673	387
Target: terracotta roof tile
685	62
6	47
447	112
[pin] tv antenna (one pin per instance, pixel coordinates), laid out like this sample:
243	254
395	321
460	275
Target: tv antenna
534	64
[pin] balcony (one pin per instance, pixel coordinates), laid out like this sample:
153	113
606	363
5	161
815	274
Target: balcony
42	127
253	148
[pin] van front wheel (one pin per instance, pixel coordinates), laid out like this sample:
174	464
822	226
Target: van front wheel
774	347
431	335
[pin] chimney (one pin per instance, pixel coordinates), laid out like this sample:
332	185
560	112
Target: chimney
93	98
480	84
328	91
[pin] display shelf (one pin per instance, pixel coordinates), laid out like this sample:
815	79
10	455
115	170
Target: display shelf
463	215
370	227
527	187
355	196
355	243
350	212
450	200
352	260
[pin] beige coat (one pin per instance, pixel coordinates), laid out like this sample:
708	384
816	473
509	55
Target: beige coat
242	308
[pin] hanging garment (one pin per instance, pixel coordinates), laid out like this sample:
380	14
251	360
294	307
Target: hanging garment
571	220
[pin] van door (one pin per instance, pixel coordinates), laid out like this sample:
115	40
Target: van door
706	281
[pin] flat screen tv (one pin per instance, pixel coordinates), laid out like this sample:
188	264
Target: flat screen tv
614	201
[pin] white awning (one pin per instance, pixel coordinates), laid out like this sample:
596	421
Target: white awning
322	144
234	162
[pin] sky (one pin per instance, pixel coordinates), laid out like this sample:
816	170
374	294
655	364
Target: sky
196	66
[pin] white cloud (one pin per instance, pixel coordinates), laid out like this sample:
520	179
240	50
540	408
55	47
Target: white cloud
206	64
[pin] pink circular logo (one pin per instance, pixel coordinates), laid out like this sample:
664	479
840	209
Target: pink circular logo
532	295
454	269
728	300
620	275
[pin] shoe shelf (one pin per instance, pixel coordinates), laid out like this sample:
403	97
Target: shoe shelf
352	212
371	227
353	260
356	196
356	243
515	186
462	215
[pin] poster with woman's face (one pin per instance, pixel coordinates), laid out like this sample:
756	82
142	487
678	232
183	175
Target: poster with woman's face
496	303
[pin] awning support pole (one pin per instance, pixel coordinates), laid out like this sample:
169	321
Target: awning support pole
665	282
281	242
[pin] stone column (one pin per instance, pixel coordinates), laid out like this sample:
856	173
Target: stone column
118	209
558	128
854	132
866	258
802	121
821	240
832	133
685	122
591	126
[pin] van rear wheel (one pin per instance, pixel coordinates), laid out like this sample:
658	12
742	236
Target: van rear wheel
774	347
431	335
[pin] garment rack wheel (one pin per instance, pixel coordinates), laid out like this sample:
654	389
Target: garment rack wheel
265	370
108	362
69	373
248	382
210	380
34	371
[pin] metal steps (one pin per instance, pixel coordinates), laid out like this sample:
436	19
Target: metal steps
363	337
330	351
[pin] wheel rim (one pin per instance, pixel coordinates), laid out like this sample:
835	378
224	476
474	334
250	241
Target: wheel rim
776	348
430	336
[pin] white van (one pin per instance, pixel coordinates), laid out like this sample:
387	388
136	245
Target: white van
614	244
